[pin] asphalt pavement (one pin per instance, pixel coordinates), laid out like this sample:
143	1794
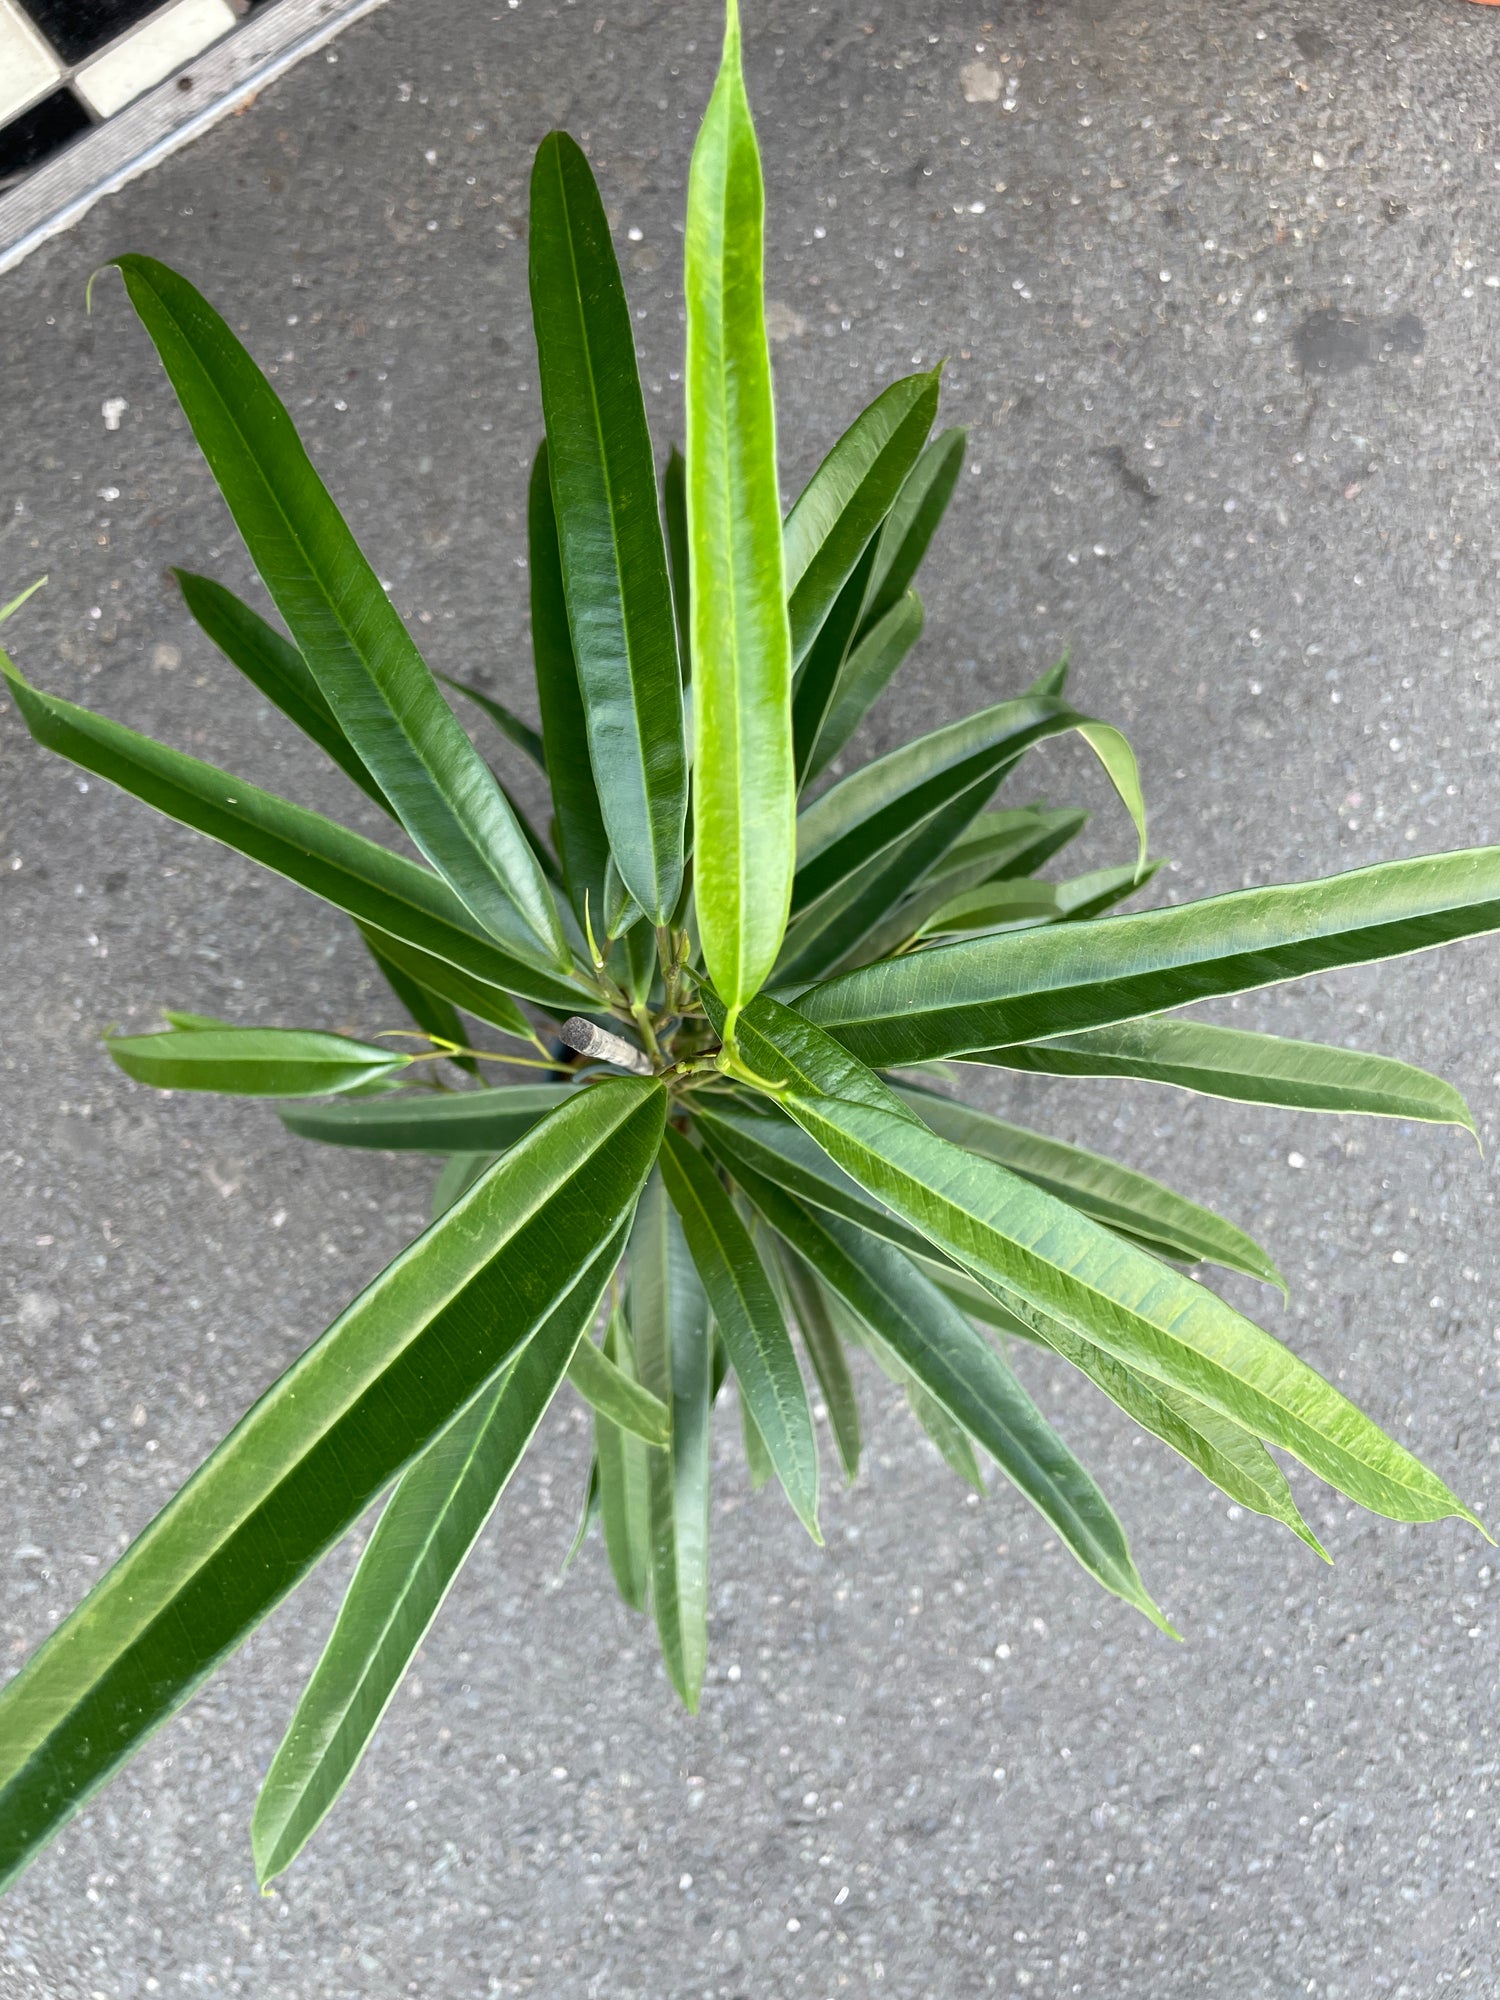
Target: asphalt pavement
1219	288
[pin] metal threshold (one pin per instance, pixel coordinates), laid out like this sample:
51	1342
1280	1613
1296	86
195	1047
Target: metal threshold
225	78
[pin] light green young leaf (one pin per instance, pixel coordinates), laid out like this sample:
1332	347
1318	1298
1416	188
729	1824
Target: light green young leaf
744	789
389	1375
745	1306
614	560
360	654
429	1525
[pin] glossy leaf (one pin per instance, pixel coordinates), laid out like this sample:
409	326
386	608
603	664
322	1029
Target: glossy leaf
995	906
505	720
980	995
252	1062
745	1307
623	1495
614	560
847	498
825	1350
912	522
968	1379
579	825
674	516
1039	1255
1250	1068
373	885
674	1359
1117	1196
610	1387
426	1531
386	1378
458	1175
744	790
464	1121
863	677
360	654
272	664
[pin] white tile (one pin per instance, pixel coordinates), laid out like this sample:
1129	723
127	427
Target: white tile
28	68
157	47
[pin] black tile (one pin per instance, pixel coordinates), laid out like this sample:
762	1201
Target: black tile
27	140
77	28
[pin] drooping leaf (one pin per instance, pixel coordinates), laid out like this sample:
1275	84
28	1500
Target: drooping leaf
745	1306
981	995
758	1461
465	1121
1119	1197
863	677
426	1531
744	788
579	826
624	1502
968	1379
1039	1255
674	1348
610	1387
273	665
1248	1067
357	649
374	886
826	1352
505	720
851	493
614	560
912	523
252	1062
386	1378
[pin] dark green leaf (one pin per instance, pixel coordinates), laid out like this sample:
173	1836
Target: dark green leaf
912	523
433	1014
609	1386
465	1121
980	995
745	1306
343	624
429	1525
826	1352
505	720
847	498
614	560
365	1399
1250	1068
674	1358
863	678
674	512
623	1494
252	1062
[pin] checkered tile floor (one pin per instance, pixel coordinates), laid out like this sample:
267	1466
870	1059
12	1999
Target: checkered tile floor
69	65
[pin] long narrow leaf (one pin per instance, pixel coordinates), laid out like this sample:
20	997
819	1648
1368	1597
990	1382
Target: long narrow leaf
432	1012
374	886
744	789
614	560
466	1121
912	523
826	1352
505	720
745	1306
968	1378
982	995
1038	1255
429	1525
611	1389
624	1504
389	1374
863	677
674	1358
345	627
253	1062
1248	1067
1115	1195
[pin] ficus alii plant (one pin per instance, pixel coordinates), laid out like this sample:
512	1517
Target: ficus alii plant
689	1059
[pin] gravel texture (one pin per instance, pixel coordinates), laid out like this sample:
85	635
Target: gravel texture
1220	288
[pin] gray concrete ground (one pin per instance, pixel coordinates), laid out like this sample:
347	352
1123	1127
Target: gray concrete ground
1220	288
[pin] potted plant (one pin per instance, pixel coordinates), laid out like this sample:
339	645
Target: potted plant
721	1009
